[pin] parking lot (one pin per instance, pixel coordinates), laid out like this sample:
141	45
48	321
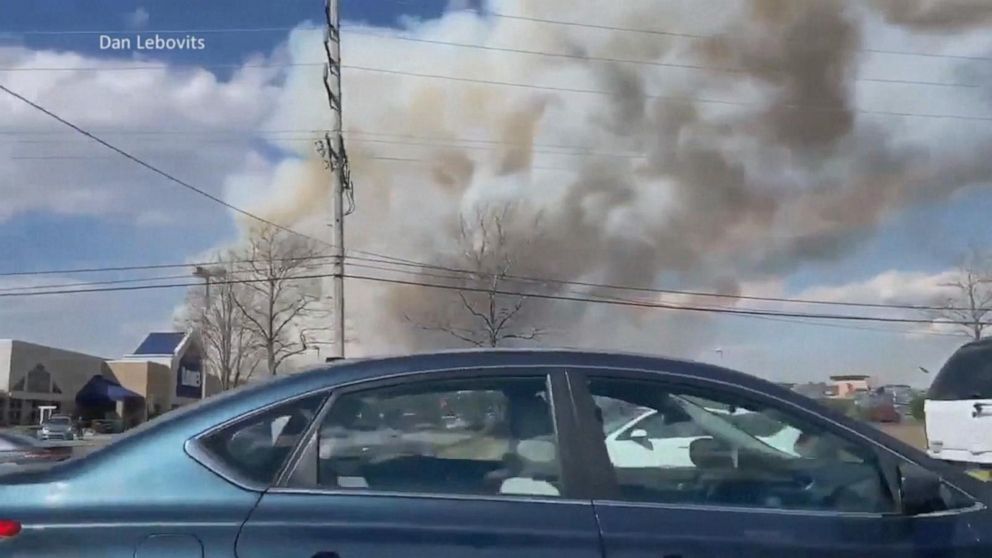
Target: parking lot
910	432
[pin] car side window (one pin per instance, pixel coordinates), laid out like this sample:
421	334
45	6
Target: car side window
732	452
480	436
257	446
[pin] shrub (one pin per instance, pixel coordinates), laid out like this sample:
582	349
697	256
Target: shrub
916	409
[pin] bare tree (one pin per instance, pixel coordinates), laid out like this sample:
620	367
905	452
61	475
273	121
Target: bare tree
484	316
970	306
276	269
231	349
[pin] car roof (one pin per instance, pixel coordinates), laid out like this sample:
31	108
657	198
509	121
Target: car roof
349	371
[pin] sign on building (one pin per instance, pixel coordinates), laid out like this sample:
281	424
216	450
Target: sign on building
190	377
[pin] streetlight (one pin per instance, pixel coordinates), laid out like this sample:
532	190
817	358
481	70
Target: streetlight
206	273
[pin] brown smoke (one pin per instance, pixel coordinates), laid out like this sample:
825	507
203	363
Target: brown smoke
783	170
935	15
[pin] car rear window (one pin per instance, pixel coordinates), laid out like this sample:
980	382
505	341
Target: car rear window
257	446
966	375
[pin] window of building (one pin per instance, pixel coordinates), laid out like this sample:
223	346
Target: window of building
37	380
258	446
678	446
479	436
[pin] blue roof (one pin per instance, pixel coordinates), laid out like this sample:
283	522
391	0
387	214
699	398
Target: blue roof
160	343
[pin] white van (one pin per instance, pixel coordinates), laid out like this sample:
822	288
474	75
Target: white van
959	407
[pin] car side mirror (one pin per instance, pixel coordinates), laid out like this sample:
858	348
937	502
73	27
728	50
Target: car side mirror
919	490
640	436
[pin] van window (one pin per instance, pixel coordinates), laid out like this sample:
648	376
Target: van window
966	375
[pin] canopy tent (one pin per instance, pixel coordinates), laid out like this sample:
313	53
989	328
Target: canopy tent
101	391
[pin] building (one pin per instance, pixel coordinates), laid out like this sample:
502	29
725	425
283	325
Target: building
36	381
167	369
849	384
164	372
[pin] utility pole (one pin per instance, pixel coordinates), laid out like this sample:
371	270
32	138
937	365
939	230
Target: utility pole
331	147
206	273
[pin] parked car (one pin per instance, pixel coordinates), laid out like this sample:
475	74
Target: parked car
877	406
649	440
256	472
18	449
958	407
57	427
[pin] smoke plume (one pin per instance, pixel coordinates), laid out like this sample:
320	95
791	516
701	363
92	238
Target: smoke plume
736	155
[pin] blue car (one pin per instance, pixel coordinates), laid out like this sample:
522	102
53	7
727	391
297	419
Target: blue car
553	453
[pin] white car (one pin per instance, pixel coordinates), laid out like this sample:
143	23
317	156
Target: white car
958	407
647	441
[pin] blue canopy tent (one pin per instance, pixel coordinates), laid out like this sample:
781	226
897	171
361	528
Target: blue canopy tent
101	391
104	398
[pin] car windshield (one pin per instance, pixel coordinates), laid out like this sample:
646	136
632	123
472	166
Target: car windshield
58	421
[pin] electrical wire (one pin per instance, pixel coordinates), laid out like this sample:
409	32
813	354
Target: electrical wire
699	36
155	169
378	258
507	292
668	98
591	58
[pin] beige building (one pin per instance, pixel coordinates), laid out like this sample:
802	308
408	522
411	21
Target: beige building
35	379
163	373
849	384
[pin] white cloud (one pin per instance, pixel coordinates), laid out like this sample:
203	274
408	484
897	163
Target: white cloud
188	122
889	287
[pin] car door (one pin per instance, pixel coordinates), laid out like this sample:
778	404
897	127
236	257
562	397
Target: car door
832	495
386	471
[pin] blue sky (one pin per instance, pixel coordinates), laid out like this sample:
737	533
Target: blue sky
156	221
40	240
47	241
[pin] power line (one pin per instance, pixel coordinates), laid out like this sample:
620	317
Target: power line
154	67
767	318
682	99
422	160
591	58
283	29
429	141
153	31
89	283
375	257
76	270
534	295
699	36
151	167
658	305
650	290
